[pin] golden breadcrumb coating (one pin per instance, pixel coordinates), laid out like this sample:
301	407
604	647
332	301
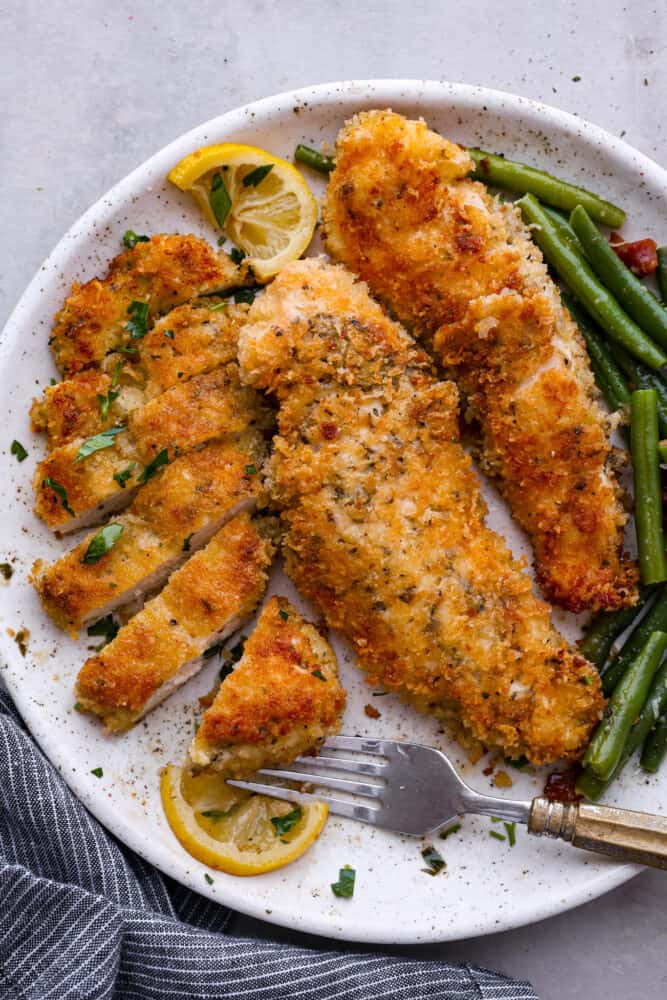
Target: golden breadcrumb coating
164	272
282	700
385	522
175	513
459	268
163	645
190	340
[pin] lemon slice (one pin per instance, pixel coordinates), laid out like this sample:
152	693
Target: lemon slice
236	831
261	202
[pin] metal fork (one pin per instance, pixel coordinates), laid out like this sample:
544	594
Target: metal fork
413	789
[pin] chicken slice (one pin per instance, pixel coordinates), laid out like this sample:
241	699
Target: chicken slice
283	699
166	643
174	514
459	268
161	273
206	407
190	340
385	522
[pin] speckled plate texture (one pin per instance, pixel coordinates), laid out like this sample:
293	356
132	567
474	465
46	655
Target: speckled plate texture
487	886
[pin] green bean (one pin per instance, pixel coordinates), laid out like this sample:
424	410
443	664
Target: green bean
655	620
648	491
608	375
627	701
662	451
662	272
311	157
655	747
642	377
590	786
607	626
584	284
565	230
647	311
522	179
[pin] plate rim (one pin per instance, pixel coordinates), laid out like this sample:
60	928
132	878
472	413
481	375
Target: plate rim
323	94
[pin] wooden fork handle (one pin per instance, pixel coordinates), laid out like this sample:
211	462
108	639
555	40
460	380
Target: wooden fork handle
621	833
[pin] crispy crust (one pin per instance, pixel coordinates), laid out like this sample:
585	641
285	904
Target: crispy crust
460	269
272	707
193	494
213	593
385	522
164	272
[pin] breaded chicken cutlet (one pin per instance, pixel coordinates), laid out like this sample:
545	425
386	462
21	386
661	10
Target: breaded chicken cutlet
385	524
167	642
282	700
458	267
109	313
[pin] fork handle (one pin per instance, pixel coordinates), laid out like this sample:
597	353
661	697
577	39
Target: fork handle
621	833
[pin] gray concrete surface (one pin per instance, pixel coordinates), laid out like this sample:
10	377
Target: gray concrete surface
89	89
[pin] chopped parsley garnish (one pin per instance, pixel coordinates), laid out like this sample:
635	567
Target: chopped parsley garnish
251	470
6	570
434	860
318	673
59	491
283	824
137	326
257	175
162	458
225	670
103	542
217	307
98	772
236	652
99	442
18	450
127	350
344	887
106	401
212	651
123	476
105	627
186	543
449	831
208	878
517	762
496	835
130	239
237	255
221	241
283	614
217	813
52	381
246	295
219	200
511	833
169	334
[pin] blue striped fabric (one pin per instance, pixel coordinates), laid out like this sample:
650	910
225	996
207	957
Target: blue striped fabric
82	917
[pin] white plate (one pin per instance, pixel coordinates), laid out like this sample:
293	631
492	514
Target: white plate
488	886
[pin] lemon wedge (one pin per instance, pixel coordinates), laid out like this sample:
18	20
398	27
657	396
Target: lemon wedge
262	203
235	831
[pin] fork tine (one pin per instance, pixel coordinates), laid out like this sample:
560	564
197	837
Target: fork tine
340	808
358	743
325	781
342	764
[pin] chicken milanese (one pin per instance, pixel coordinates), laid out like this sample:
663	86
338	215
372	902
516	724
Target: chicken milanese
385	522
459	269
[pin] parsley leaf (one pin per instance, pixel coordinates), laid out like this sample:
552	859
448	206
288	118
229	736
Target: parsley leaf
225	670
169	334
100	441
130	239
433	859
511	833
212	651
137	326
59	491
98	772
283	824
251	470
237	255
106	401
208	878
116	374
217	307
162	458
105	627
246	295
126	350
103	542
257	175
18	450
320	676
123	476
219	200
186	543
344	887
283	614
449	831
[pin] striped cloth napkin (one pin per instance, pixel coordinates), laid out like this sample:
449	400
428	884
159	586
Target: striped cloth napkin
82	917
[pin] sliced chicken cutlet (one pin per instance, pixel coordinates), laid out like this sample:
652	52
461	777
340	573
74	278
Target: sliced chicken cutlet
207	407
283	699
459	268
385	522
107	313
174	514
190	340
167	641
